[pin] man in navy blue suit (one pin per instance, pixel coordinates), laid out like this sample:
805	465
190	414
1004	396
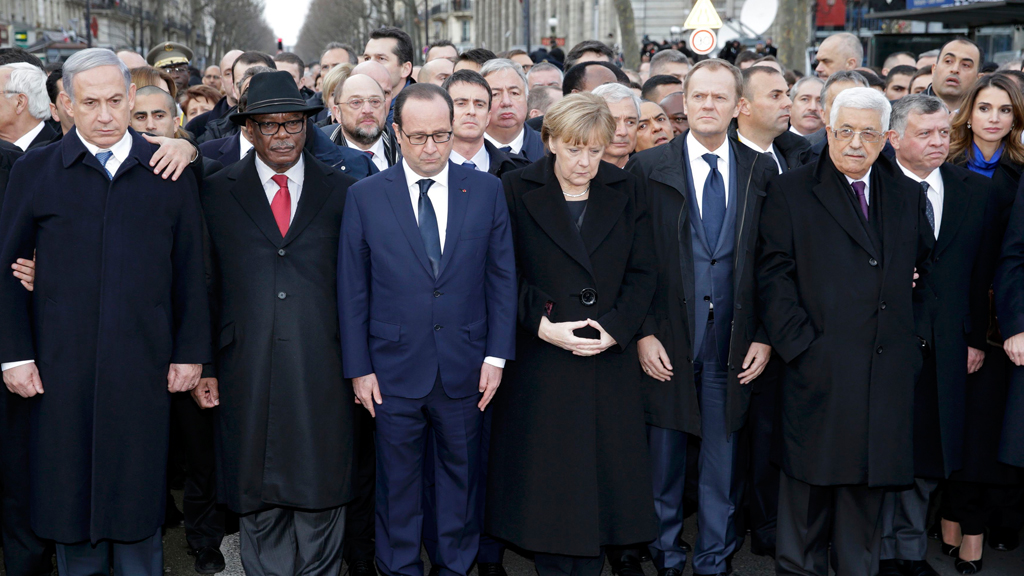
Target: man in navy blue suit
427	298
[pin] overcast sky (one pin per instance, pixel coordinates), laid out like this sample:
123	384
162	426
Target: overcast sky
285	17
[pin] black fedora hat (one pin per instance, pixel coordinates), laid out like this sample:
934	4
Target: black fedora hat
273	93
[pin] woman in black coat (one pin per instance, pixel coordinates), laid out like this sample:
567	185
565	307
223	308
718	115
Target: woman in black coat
568	463
986	139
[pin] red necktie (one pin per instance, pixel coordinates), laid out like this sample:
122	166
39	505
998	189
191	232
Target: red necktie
370	152
281	206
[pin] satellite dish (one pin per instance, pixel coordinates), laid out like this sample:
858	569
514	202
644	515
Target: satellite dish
758	16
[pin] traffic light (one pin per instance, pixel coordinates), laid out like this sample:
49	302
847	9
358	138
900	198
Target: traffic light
280	45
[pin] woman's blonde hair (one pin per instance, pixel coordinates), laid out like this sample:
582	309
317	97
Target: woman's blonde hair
961	137
147	76
335	77
577	119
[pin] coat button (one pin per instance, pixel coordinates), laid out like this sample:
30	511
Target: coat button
707	298
281	295
882	305
437	327
437	294
879	350
281	252
872	262
713	262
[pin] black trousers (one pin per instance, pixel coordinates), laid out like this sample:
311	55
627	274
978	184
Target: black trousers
760	474
975	505
24	553
561	565
813	517
359	513
193	428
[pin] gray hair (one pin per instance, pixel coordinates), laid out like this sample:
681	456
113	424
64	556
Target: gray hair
31	81
913	104
862	99
668	57
929	54
499	64
90	58
800	84
843	76
616	92
542	66
352	56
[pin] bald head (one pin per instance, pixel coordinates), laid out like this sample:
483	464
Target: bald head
362	85
842	51
132	59
436	71
378	72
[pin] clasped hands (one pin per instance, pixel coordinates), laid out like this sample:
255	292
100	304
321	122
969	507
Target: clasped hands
561	334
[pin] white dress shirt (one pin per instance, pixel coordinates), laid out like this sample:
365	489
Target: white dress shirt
795	131
296	174
29	136
481	159
700	170
516	144
771	149
867	185
243	146
438	195
936	192
121	151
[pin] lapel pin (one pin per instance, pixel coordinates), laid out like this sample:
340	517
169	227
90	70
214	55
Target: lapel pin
463	190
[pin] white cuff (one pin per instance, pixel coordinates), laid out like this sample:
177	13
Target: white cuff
4	367
496	362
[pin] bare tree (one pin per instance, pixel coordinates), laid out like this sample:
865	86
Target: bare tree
630	48
350	22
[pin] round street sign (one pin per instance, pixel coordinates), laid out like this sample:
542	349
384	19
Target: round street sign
703	41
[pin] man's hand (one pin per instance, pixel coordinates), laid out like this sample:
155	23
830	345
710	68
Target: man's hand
975	358
24	380
183	377
173	156
207	393
490	379
1014	346
654	359
754	363
25	270
368	391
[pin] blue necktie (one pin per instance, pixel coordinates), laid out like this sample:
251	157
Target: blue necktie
103	157
469	164
506	149
428	226
713	204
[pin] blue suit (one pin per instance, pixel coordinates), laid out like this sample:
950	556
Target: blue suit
533	146
425	338
225	150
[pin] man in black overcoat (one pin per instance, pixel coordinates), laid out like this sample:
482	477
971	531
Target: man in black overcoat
285	424
119	317
839	242
702	346
960	213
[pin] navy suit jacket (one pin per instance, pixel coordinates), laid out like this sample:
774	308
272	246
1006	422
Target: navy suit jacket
533	146
400	322
224	150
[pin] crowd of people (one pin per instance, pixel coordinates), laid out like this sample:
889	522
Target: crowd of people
364	307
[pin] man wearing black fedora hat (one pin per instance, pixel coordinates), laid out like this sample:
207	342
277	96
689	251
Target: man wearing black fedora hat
285	421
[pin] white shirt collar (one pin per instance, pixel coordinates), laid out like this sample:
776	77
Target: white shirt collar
29	136
243	146
296	174
121	150
411	178
934	178
867	184
481	159
697	150
516	144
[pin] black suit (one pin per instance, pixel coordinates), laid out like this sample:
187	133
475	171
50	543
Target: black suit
24	552
45	136
838	307
500	162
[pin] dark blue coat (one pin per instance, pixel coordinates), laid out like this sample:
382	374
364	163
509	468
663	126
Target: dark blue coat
120	294
533	146
397	320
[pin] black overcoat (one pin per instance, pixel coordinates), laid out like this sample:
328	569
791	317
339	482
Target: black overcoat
568	463
285	422
674	404
119	295
838	310
1009	300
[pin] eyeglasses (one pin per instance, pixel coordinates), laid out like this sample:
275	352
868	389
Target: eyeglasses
175	69
420	139
290	126
869	136
357	103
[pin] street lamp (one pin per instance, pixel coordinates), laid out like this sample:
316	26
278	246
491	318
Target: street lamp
552	23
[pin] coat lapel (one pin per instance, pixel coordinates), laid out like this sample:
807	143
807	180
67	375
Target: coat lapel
746	200
829	190
604	208
458	200
893	217
397	192
315	191
955	198
249	193
546	206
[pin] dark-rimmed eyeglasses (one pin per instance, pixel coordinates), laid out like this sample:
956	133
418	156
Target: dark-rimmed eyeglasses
420	139
272	128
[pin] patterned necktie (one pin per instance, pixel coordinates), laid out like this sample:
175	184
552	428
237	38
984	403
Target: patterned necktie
428	226
713	203
103	157
469	164
281	205
858	187
929	210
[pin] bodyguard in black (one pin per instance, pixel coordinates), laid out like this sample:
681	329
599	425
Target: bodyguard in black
839	241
